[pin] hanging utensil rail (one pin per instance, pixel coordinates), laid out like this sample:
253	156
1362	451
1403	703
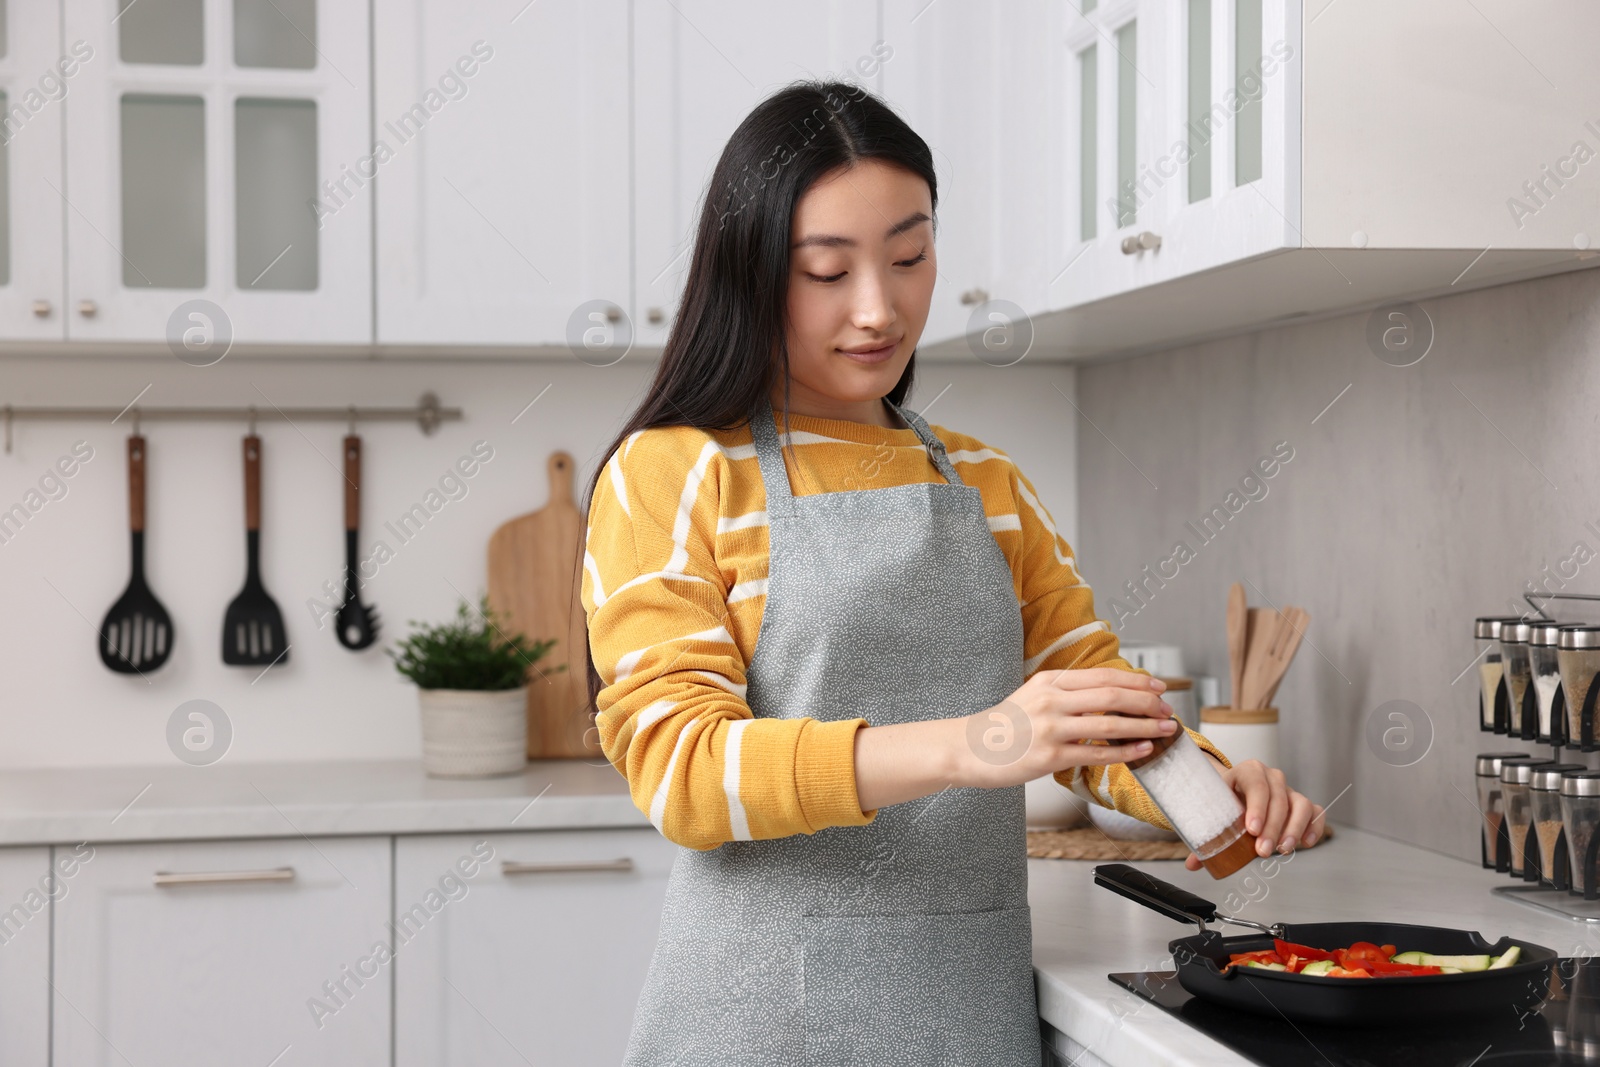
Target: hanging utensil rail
427	414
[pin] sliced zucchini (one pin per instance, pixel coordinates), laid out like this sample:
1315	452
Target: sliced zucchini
1265	966
1321	967
1461	963
1451	970
1506	958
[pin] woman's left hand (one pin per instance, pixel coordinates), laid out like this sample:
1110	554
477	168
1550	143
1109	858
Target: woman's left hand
1281	818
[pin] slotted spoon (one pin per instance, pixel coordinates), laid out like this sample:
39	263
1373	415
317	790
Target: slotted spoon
252	630
136	636
357	623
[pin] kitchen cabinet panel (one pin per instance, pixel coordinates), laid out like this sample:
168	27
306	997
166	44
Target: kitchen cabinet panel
943	79
37	72
225	952
504	211
209	158
507	958
28	884
699	67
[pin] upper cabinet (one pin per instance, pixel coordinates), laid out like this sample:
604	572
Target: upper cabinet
699	67
504	215
36	74
1184	137
219	151
1229	163
958	117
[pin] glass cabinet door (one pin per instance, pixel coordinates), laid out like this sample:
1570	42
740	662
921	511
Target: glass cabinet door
208	142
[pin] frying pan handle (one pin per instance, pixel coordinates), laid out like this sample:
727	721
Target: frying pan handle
352	482
252	482
136	483
1170	900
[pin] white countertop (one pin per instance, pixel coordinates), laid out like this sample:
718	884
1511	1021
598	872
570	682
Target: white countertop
1082	932
232	800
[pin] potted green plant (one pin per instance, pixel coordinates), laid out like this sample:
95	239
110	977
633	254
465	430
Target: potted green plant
472	691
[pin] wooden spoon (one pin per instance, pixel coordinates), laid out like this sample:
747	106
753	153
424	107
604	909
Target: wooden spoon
1238	634
1263	623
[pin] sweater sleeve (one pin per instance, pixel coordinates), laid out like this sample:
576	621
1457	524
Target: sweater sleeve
672	715
1062	632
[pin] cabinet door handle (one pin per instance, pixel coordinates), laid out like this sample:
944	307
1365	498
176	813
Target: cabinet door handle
273	874
975	296
518	867
1144	242
41	308
87	308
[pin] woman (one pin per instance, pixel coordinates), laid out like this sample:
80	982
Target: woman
832	643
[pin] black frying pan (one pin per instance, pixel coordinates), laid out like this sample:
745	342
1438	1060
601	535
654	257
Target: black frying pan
1512	990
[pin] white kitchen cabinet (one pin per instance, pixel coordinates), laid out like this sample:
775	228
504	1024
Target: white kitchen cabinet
1337	171
36	75
1183	135
220	151
504	209
27	884
943	77
221	952
536	956
699	67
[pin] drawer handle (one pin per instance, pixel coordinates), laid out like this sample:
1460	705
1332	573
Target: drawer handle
274	874
518	867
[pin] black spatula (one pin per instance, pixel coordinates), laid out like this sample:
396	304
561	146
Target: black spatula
252	630
136	636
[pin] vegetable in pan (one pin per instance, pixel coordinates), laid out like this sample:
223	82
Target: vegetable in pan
1365	960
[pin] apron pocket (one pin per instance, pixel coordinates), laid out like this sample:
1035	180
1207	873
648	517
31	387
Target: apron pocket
954	988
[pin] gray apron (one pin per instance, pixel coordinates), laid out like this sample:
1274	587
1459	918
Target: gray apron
907	940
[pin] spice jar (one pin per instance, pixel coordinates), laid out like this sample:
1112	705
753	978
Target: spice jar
1492	804
1201	807
1514	635
1515	776
1580	817
1544	675
1544	793
1578	657
1490	673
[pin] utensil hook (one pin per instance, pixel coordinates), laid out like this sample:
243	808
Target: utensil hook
352	420
136	422
252	423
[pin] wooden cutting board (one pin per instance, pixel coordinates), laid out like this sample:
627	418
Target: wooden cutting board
535	574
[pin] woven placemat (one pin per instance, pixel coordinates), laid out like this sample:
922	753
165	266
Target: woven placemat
1091	843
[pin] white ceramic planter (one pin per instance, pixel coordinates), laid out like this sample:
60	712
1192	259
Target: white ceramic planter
474	733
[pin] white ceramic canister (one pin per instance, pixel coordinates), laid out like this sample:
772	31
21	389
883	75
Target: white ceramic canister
1242	733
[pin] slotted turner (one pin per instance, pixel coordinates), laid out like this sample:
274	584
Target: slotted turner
136	636
252	630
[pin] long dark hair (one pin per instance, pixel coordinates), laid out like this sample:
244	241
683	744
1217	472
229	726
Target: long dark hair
727	345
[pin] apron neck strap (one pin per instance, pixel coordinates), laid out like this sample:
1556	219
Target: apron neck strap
769	453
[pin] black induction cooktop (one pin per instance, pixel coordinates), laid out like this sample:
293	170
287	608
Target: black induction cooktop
1566	1030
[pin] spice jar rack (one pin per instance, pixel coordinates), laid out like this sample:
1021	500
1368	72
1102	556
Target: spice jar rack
1540	681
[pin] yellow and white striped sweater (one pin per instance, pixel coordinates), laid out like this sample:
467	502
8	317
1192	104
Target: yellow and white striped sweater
674	584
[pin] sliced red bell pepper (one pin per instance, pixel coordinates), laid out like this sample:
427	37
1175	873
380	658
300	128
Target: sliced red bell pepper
1380	970
1305	952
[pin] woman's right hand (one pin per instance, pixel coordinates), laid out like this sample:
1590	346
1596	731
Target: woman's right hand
1041	728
